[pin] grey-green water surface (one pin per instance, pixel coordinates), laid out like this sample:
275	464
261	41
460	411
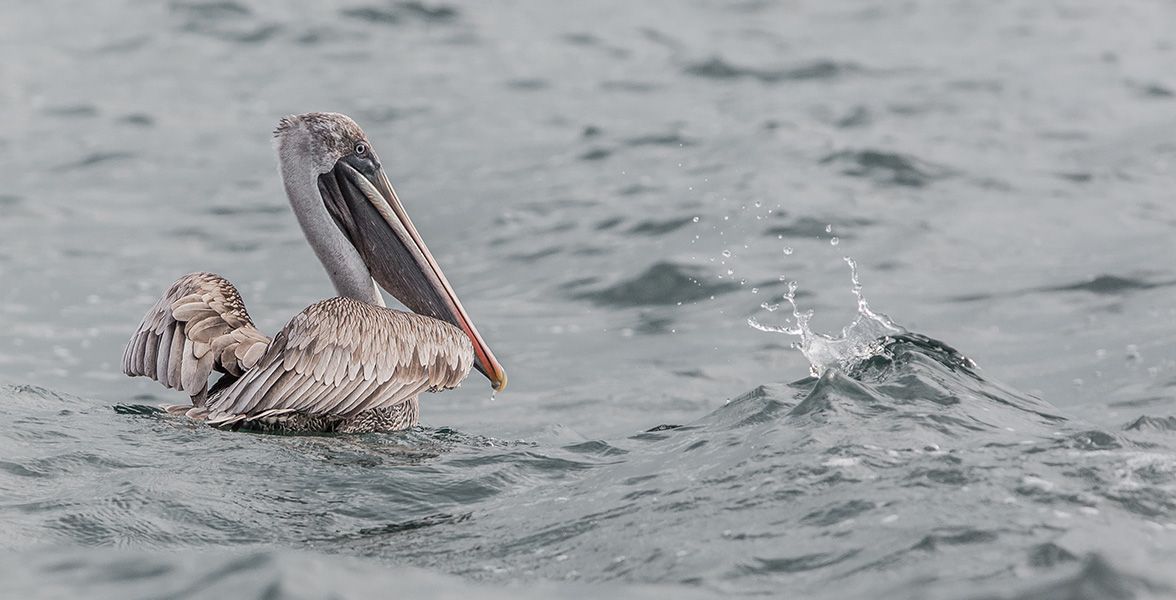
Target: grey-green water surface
611	187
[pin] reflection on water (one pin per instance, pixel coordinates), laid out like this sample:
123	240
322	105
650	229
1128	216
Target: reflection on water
614	189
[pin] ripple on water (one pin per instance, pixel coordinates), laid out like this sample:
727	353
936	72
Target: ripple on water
810	227
138	120
1146	423
74	111
719	68
667	139
596	154
398	12
1109	285
224	20
96	158
660	227
887	167
796	564
863	472
662	283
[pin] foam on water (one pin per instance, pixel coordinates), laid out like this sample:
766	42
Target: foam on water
857	341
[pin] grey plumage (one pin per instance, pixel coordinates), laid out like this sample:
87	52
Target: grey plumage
340	365
347	364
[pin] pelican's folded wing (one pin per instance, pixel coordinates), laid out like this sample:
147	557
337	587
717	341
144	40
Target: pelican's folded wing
341	357
197	327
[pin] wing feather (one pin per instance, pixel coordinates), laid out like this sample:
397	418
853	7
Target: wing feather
340	357
283	386
146	361
322	360
199	326
352	392
252	353
175	361
394	392
255	387
163	353
361	389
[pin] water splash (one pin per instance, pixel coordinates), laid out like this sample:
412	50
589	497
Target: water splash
858	341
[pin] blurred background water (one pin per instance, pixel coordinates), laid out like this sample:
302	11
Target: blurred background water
614	189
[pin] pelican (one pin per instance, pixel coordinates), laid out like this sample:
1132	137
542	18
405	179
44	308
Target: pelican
348	364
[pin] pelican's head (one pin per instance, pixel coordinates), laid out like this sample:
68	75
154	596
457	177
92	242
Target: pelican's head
356	193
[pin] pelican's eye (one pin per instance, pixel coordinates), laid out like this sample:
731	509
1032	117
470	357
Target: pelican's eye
361	149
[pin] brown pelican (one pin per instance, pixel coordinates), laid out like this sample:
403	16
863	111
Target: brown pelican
348	364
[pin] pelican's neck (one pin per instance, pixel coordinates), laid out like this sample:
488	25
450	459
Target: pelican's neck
343	264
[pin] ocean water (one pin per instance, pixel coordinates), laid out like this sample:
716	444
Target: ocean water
618	193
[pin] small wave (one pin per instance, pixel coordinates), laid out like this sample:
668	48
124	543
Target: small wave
138	119
656	227
1096	578
719	68
662	283
1146	422
393	14
78	110
118	573
1109	285
596	154
809	227
669	139
96	158
224	20
220	9
887	167
528	84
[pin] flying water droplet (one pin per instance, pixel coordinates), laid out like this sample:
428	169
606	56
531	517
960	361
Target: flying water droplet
835	240
727	253
857	341
695	219
787	249
829	228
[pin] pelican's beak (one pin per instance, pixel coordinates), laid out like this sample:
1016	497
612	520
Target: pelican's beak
364	205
